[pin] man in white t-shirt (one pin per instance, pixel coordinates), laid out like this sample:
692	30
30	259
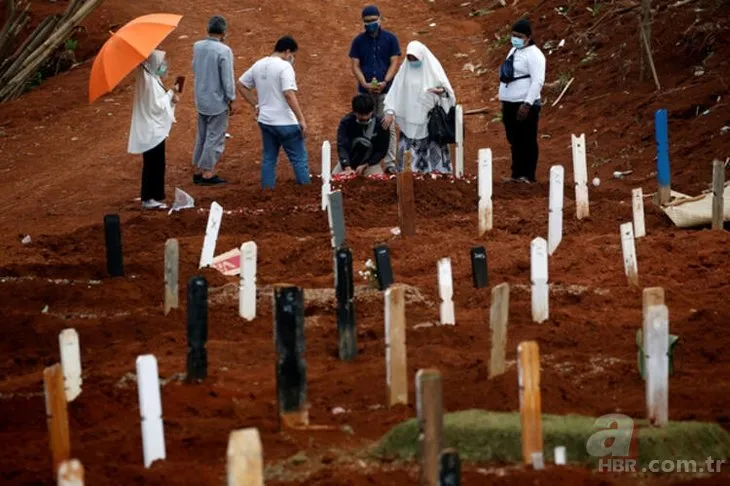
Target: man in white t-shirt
277	110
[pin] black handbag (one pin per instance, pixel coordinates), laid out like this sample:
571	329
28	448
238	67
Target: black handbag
442	125
507	69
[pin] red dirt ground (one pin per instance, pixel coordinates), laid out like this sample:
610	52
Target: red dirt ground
64	166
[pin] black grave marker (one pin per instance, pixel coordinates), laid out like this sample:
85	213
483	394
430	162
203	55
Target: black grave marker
291	369
197	365
383	266
345	292
479	272
113	240
450	468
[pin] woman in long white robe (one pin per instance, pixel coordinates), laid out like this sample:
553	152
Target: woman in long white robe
153	113
421	84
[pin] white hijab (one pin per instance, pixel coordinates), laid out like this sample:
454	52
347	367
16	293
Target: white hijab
409	97
152	111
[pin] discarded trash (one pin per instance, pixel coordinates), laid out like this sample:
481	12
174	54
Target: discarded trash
183	200
620	175
687	212
26	240
228	263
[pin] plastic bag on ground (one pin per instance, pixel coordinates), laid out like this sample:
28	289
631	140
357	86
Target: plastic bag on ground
183	200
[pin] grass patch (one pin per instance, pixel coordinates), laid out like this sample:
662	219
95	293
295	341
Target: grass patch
482	436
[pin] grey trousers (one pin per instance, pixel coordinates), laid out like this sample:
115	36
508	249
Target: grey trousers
389	160
210	140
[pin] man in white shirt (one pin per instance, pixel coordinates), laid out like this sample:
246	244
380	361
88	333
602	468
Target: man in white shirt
278	112
522	77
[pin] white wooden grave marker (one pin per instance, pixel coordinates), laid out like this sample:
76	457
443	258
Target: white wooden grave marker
71	473
68	342
656	346
486	212
538	462
560	456
245	458
555	215
326	171
247	286
150	409
539	277
629	251
580	176
459	171
637	204
446	292
211	234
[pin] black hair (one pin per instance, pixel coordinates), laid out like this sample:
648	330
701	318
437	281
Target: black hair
363	104
524	27
217	25
286	43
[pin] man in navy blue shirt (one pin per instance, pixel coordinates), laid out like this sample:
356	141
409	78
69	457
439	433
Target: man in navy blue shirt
375	56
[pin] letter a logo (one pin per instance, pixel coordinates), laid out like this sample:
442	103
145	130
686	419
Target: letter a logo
615	437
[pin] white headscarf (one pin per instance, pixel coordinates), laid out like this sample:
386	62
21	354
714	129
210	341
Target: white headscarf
152	111
409	97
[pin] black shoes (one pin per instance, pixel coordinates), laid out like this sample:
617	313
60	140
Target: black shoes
211	181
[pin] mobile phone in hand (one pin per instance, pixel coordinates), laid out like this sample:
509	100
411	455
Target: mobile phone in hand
180	82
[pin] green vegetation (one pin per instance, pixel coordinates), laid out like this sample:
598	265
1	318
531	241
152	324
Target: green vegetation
71	45
483	436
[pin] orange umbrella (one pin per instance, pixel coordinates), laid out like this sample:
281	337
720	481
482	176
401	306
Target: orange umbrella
126	49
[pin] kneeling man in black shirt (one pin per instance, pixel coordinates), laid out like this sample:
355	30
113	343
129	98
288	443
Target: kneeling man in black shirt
362	142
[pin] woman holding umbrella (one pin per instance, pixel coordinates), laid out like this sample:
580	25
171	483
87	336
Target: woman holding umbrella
133	48
153	114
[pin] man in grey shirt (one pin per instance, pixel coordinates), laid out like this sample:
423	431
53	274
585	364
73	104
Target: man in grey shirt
214	95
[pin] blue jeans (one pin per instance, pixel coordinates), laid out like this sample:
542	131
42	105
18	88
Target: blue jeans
290	137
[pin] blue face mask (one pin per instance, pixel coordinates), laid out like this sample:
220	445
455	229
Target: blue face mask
517	42
416	64
162	70
372	27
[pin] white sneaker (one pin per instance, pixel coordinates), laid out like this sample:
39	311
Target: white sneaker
152	204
